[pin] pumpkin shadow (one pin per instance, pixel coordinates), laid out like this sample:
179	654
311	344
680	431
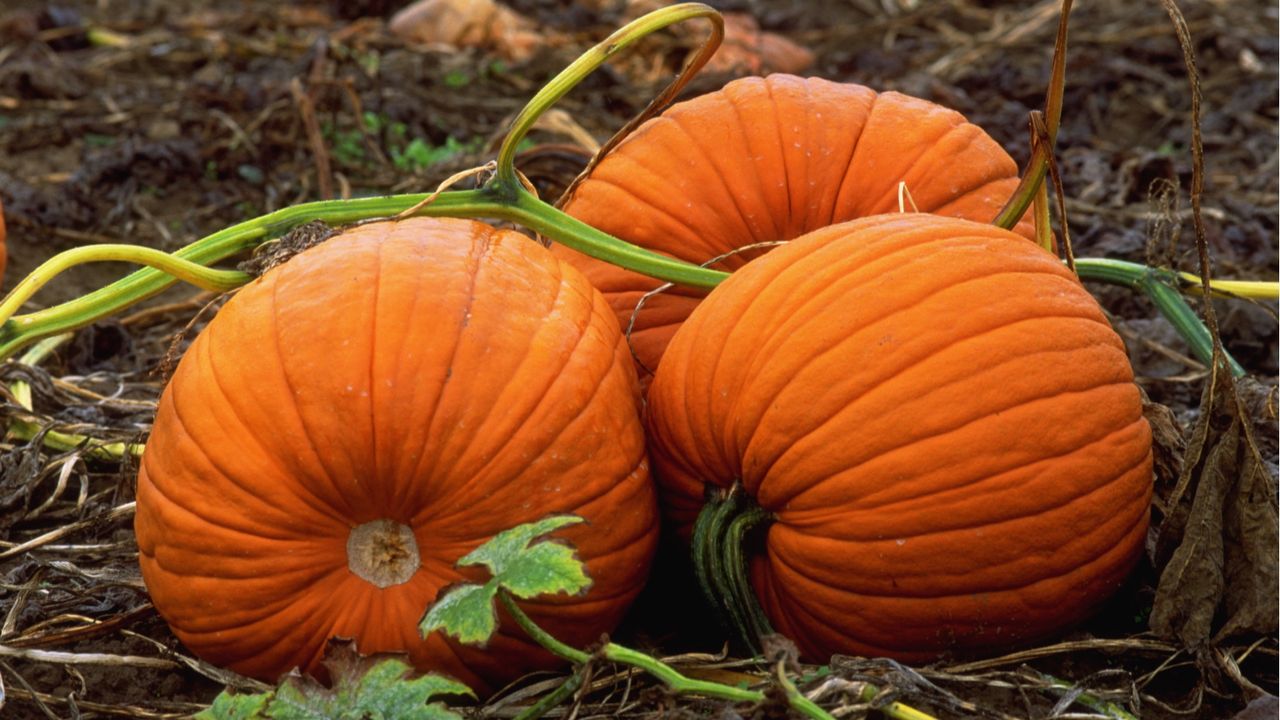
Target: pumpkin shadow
670	615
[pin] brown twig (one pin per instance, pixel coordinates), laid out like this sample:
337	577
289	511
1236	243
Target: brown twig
1017	658
1197	177
72	658
635	312
1040	133
115	513
692	65
320	153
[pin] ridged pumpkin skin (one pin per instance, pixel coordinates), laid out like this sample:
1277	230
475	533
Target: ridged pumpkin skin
940	418
769	159
442	374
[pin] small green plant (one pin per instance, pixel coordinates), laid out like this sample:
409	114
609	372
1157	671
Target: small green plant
406	154
517	569
457	79
420	155
347	146
97	140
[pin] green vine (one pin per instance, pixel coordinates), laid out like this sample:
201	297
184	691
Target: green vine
521	568
504	197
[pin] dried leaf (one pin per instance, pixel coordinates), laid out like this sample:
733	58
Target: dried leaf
778	648
748	49
1251	537
1225	561
745	49
1168	445
468	23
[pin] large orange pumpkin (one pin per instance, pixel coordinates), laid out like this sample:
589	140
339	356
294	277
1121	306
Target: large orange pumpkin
768	159
936	418
357	419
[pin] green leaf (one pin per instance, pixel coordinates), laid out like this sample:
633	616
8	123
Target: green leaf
544	569
523	569
235	707
466	613
528	571
380	687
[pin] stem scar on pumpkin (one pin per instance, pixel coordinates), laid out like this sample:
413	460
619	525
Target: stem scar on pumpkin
383	553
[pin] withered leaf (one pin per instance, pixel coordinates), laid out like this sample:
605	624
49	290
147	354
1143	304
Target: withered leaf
1225	561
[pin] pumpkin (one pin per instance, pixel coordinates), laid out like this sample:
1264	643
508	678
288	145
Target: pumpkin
357	419
768	159
936	420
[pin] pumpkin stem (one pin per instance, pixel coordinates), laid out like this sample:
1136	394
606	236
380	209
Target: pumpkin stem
674	680
720	563
502	198
537	634
175	265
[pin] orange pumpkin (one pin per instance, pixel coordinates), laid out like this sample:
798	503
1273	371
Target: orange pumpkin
357	419
937	419
768	159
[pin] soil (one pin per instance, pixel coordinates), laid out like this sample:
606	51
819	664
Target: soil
184	118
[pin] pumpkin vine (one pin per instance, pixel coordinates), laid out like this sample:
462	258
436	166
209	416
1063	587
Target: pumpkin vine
521	568
505	198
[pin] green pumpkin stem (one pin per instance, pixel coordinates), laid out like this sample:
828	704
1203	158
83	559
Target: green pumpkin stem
720	563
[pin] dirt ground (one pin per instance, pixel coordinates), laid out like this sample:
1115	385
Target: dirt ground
161	121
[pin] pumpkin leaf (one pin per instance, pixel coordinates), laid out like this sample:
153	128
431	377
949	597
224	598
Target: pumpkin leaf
380	687
544	569
465	612
523	569
528	571
228	706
